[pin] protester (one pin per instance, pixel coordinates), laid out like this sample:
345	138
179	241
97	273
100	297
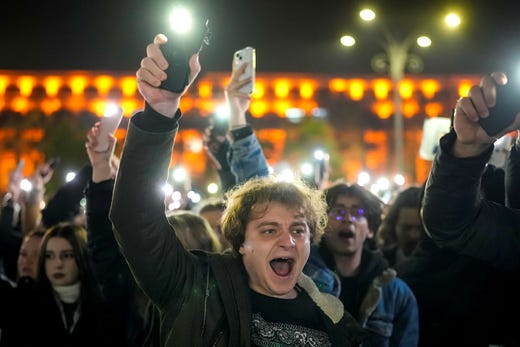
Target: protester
345	266
212	210
117	283
239	153
20	214
67	308
28	255
251	296
460	220
401	229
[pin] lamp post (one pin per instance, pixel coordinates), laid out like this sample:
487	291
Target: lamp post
396	59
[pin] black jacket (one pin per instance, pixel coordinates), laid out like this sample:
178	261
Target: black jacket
466	277
203	298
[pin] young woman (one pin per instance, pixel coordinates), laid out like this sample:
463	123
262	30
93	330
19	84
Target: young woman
68	308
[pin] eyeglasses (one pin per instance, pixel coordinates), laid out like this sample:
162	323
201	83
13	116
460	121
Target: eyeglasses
339	213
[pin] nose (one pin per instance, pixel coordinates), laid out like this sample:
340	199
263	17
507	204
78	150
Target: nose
347	217
58	262
286	240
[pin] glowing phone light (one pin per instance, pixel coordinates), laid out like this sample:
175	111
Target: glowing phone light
111	110
181	20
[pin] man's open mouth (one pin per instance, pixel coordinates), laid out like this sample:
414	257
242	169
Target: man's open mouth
344	234
282	266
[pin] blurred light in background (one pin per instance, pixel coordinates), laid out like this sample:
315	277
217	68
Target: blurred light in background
70	176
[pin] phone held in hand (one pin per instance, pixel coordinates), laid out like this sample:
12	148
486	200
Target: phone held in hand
505	110
19	167
219	126
108	125
180	47
54	162
246	55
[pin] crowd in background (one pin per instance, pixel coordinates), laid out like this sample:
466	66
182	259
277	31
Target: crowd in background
435	266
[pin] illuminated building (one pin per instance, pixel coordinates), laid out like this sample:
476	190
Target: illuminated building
359	109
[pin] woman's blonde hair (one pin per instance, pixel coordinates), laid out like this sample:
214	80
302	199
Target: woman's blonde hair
193	231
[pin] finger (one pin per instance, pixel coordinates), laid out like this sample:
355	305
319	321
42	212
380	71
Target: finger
234	87
466	106
151	65
153	51
500	78
238	71
489	89
112	140
194	67
145	76
477	98
160	39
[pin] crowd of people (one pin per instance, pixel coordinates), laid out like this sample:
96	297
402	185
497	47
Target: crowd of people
271	263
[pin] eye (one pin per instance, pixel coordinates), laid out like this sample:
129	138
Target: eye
268	231
68	256
49	256
300	231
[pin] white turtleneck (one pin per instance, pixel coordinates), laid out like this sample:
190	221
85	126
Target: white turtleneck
68	294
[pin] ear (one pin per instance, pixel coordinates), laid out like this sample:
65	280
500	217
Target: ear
370	234
241	250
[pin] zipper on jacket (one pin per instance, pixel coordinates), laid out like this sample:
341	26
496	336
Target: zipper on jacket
206	296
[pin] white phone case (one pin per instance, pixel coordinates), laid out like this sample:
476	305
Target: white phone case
108	125
246	55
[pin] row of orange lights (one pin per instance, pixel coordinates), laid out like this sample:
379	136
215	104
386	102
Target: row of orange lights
261	104
355	88
383	109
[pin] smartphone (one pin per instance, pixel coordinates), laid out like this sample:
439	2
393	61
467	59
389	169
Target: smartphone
219	126
178	50
53	162
108	125
246	55
19	167
505	110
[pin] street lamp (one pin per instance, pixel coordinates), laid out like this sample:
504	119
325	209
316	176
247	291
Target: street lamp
395	60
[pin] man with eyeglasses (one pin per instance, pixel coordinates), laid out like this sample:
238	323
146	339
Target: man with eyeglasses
347	265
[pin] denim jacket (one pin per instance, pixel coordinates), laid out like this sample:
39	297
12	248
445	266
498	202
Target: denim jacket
247	159
388	311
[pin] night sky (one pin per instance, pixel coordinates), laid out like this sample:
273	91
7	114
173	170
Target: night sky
289	35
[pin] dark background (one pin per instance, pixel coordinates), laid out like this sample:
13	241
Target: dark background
289	35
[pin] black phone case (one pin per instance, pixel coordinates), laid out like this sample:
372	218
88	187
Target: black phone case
178	51
178	70
504	112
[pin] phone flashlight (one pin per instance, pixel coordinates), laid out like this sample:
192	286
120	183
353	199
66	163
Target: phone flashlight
188	36
108	125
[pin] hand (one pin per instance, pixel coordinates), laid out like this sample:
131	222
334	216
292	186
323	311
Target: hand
45	171
14	191
238	102
104	166
42	176
151	74
472	140
216	145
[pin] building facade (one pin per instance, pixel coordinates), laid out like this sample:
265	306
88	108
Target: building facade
353	113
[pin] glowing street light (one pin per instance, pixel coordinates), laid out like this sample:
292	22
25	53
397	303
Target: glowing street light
394	61
367	15
452	20
347	41
424	41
